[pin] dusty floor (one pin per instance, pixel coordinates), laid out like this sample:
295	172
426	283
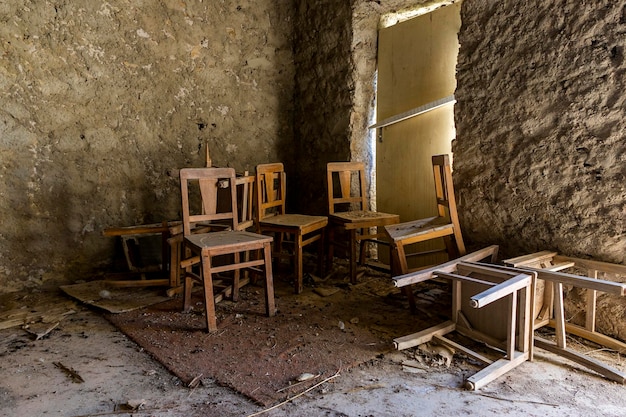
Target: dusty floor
117	374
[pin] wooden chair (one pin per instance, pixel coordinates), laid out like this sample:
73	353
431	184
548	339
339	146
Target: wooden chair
554	273
445	225
349	212
229	245
245	189
297	230
489	304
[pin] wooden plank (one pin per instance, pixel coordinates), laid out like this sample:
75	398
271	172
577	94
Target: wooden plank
456	346
426	274
496	292
609	287
424	336
595	337
493	371
531	259
597	265
591	363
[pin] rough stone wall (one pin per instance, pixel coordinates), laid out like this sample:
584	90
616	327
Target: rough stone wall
323	97
335	51
540	155
101	100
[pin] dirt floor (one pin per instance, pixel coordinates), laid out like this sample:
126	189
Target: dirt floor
86	367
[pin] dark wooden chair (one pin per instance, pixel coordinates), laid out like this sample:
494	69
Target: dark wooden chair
296	230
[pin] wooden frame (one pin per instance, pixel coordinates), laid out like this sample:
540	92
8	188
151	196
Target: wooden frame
480	295
550	305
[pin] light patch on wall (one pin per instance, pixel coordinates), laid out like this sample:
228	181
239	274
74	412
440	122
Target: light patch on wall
231	148
182	93
394	18
143	34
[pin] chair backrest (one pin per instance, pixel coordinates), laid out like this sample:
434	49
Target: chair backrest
245	200
271	190
205	208
346	186
444	190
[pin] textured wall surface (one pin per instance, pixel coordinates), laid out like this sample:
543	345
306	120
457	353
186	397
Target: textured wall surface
323	96
335	52
100	101
540	154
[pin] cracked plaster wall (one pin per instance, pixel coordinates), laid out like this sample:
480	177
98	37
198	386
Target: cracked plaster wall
102	100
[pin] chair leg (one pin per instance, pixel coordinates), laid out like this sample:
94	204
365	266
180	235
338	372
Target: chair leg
187	293
298	262
270	306
353	250
402	266
237	274
175	248
408	292
209	299
458	239
362	248
451	248
331	247
399	266
320	254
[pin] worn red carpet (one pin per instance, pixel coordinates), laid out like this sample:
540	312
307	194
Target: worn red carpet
262	357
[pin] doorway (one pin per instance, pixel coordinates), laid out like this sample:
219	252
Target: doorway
415	111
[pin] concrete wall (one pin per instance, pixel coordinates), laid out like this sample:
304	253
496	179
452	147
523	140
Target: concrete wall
101	101
540	155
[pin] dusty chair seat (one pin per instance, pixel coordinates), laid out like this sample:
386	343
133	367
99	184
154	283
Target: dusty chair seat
433	226
201	248
301	229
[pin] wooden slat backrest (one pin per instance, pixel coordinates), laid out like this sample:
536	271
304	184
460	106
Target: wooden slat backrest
444	190
245	197
343	174
208	180
271	185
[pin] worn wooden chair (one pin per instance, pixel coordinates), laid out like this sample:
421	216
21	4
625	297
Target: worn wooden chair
245	189
555	272
229	245
297	230
444	225
349	212
490	305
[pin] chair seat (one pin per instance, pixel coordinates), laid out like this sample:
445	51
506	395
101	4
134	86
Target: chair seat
231	239
415	228
299	221
357	219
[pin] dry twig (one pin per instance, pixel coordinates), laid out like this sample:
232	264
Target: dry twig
295	396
